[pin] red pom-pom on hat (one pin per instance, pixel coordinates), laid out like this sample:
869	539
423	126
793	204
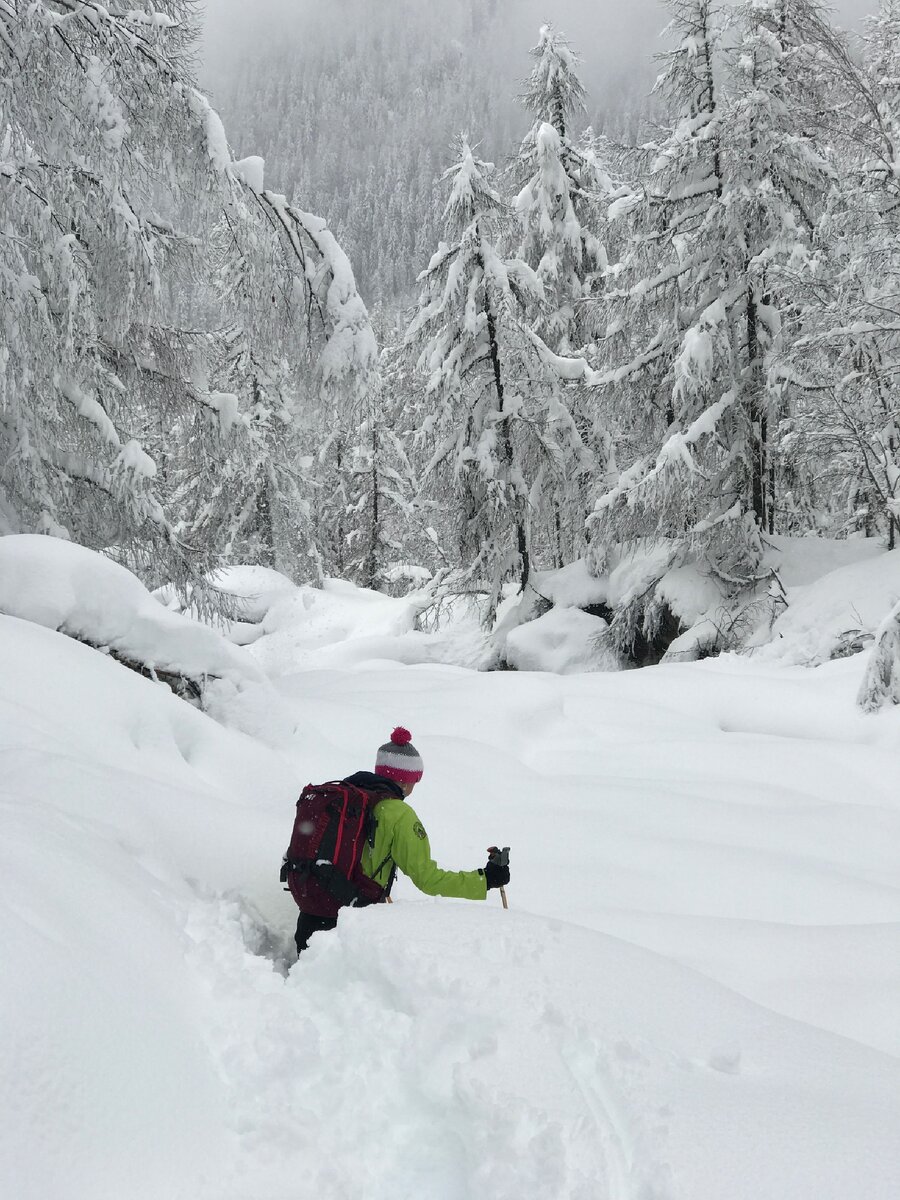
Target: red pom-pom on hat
401	736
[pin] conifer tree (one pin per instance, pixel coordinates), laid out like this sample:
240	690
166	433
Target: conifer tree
498	422
846	432
559	204
118	194
94	104
731	199
658	292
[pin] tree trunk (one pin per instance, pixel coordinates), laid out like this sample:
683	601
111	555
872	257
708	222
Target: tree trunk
266	525
758	415
506	437
371	572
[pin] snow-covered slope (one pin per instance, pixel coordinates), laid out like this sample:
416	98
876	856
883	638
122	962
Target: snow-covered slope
692	997
121	807
64	586
839	609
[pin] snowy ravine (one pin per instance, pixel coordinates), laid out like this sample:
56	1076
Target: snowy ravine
692	997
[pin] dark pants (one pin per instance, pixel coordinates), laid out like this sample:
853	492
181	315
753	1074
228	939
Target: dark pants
307	925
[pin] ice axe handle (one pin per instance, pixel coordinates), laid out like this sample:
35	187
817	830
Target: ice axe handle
501	858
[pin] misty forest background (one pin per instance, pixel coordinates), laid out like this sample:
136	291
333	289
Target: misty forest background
425	311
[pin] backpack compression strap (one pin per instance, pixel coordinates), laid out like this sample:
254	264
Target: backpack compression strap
325	873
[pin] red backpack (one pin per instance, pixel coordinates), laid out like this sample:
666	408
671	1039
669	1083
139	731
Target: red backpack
322	865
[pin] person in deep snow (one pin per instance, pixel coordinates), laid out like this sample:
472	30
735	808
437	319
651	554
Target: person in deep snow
400	841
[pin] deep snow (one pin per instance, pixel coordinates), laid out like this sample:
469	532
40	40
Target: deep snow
693	995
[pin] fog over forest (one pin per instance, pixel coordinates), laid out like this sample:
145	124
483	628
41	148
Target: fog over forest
354	105
616	39
613	35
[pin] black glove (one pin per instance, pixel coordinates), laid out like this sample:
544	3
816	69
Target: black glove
495	875
496	871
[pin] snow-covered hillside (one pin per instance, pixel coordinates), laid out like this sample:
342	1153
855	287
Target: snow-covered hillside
693	995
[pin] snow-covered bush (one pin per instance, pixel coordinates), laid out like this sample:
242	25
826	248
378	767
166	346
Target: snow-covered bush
881	684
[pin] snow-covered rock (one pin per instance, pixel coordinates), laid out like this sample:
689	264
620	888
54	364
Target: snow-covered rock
837	591
564	640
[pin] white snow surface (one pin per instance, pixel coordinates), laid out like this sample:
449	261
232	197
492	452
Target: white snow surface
804	560
67	587
693	994
848	602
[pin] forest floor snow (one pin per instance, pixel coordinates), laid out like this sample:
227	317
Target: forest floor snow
693	995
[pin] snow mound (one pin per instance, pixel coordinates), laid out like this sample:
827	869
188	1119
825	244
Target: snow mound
836	614
249	592
69	588
341	625
572	586
114	794
564	640
255	589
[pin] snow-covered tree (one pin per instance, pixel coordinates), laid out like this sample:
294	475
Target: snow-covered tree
118	192
730	200
498	423
561	186
660	291
847	426
561	202
293	372
98	140
380	493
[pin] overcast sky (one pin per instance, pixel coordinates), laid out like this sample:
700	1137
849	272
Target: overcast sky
602	30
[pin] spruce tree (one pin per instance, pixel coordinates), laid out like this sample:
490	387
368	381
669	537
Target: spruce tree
98	141
498	421
156	297
846	431
730	202
561	189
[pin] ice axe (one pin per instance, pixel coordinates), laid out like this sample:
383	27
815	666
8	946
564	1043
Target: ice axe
501	859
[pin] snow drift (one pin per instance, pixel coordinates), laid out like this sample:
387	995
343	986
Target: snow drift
67	587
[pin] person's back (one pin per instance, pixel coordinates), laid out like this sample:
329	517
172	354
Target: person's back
398	840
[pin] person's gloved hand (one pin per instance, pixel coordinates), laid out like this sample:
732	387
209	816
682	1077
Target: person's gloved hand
496	870
496	875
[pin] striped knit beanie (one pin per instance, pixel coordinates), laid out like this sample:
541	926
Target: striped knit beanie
398	759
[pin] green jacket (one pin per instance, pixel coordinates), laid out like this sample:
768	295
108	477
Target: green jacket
401	841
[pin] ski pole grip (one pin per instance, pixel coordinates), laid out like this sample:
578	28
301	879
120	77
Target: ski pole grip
498	856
